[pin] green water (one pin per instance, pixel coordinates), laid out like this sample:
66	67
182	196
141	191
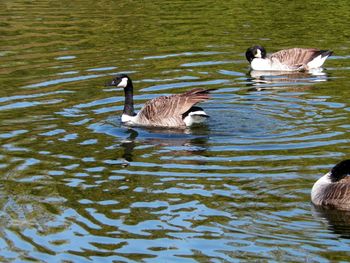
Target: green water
78	186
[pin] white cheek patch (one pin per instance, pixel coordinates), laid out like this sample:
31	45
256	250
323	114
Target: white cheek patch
123	83
258	53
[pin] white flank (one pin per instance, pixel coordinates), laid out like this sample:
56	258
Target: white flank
317	62
123	83
317	189
261	64
195	117
267	64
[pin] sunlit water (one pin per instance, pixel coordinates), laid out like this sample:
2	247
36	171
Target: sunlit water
78	186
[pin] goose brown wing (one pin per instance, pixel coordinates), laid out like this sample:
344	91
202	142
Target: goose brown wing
295	57
172	106
337	195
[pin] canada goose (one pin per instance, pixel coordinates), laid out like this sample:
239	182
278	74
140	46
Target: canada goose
293	59
175	111
333	189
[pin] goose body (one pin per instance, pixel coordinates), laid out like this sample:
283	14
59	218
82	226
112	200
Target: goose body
333	189
293	59
174	111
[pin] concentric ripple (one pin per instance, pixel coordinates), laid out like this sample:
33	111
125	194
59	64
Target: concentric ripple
77	185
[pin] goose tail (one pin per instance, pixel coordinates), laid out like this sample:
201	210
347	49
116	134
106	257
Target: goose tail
324	53
194	115
319	58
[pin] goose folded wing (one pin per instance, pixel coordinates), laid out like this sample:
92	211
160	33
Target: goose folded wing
174	105
295	57
337	195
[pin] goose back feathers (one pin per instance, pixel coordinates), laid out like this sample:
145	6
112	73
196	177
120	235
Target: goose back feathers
176	110
333	189
171	111
293	59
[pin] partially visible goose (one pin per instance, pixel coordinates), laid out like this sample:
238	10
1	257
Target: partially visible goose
293	59
333	189
174	111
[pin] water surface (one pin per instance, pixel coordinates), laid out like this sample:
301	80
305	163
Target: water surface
78	186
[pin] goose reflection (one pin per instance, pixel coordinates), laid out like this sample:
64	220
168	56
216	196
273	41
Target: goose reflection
338	220
275	79
174	137
181	141
193	139
128	145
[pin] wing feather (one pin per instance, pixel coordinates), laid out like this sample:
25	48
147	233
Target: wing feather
168	110
337	195
295	57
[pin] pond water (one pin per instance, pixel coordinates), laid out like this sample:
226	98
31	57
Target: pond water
77	186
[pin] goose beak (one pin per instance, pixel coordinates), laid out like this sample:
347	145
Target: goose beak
111	83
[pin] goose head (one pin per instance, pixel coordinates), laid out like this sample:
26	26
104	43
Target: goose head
120	81
123	81
255	52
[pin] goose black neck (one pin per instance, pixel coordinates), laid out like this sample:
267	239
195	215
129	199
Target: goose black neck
129	101
340	171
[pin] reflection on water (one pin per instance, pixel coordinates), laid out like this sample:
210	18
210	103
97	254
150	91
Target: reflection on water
78	186
194	138
263	80
128	145
338	221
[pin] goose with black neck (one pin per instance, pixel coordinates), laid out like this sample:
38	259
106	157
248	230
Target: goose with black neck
174	111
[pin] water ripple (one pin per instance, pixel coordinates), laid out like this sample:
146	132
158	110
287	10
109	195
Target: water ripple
79	186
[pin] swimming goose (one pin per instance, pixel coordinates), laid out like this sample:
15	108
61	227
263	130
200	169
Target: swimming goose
333	189
293	59
175	111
